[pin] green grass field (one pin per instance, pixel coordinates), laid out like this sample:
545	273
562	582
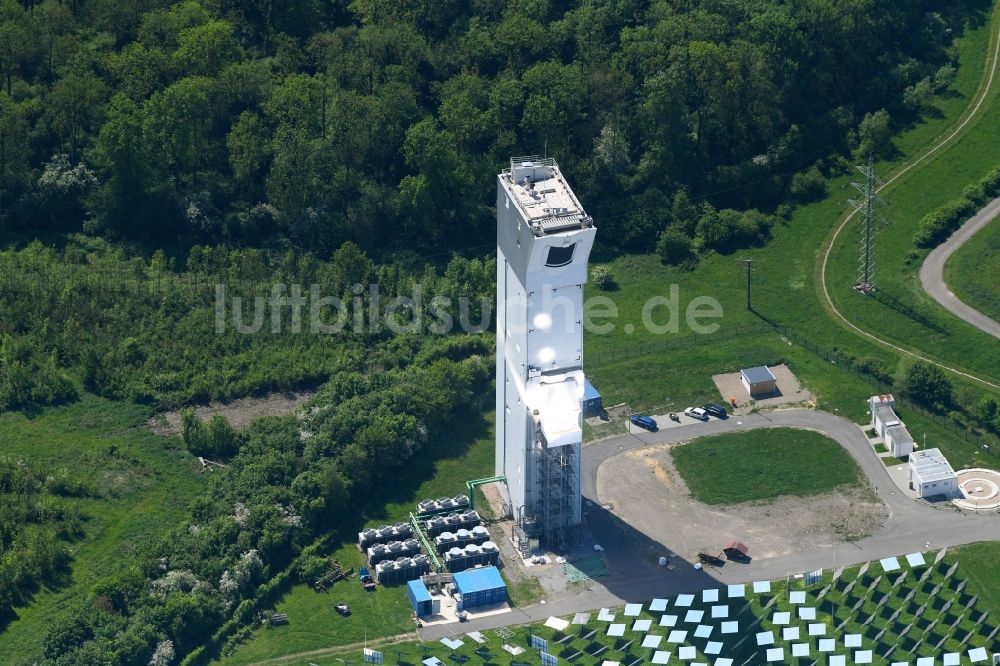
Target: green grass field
980	563
946	621
973	272
312	622
763	464
145	481
633	364
900	310
785	283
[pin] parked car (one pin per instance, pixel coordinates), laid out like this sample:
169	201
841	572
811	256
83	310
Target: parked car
697	413
643	422
343	609
718	411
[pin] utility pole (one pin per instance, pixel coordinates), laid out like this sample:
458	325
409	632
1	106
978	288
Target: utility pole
749	264
867	207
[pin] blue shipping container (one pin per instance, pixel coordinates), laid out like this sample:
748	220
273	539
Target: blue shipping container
591	400
420	598
480	587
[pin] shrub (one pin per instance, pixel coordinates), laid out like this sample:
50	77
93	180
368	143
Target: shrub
728	229
603	278
674	246
925	384
214	439
809	185
939	224
874	133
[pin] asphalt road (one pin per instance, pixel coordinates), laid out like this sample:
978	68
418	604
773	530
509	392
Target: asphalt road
932	271
912	526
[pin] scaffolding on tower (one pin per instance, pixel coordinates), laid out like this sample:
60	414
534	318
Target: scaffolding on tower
558	470
868	209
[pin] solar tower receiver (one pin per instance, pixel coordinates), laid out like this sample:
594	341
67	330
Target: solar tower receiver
544	238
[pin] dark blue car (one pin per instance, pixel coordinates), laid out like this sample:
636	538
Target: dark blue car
644	422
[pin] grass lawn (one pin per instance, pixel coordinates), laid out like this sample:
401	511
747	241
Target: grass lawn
900	310
980	564
649	370
763	464
973	272
312	622
785	285
146	482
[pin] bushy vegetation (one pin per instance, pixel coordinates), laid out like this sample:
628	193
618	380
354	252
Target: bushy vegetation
314	123
937	225
38	520
291	482
145	330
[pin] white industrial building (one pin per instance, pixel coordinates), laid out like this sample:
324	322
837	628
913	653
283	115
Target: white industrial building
544	239
888	426
931	475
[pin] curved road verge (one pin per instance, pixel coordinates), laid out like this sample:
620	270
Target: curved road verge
972	113
932	271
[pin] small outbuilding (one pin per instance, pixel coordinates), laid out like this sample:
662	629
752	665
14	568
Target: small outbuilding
759	381
931	475
887	425
479	587
591	400
420	598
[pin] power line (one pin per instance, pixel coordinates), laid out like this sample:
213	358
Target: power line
749	264
868	206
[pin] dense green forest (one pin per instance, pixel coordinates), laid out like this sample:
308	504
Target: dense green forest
159	148
256	122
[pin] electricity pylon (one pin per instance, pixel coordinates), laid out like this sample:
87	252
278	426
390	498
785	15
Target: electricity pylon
868	209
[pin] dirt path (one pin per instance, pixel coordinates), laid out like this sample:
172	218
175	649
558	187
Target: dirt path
239	413
299	657
973	113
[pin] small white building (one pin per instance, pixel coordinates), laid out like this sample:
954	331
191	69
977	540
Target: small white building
931	475
887	425
758	381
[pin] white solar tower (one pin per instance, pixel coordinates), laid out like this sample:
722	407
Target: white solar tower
544	238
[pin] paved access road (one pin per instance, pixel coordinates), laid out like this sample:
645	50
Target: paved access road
932	271
912	526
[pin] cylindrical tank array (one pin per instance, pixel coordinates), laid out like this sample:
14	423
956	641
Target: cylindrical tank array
392	550
442	505
460	559
401	570
461	538
457	521
455	529
385	534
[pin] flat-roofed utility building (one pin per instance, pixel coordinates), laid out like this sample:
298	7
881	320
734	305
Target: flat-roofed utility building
758	381
887	425
931	474
544	238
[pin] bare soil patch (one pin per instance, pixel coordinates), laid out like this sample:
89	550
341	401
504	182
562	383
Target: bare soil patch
645	490
239	413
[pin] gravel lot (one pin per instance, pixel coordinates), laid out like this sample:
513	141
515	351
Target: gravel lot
789	389
644	489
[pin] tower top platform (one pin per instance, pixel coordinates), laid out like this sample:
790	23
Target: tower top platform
544	200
